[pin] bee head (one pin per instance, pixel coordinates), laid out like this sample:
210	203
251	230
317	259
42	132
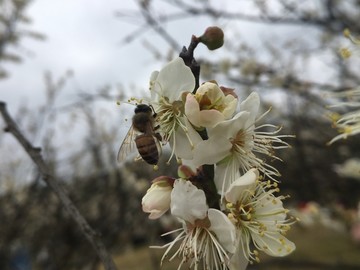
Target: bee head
143	108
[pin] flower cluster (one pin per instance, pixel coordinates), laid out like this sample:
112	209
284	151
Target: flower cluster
348	124
225	193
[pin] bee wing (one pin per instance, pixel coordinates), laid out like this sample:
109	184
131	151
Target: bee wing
128	145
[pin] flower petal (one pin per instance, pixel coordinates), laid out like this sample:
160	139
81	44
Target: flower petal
231	106
245	182
223	228
187	201
238	261
174	79
275	245
229	128
156	200
251	104
270	204
192	110
209	118
211	151
226	173
183	142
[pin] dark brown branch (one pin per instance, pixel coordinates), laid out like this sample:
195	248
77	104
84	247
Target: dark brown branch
35	154
188	56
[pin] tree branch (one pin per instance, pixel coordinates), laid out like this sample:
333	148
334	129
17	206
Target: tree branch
35	154
188	56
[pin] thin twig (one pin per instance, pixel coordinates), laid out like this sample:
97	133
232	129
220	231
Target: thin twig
35	154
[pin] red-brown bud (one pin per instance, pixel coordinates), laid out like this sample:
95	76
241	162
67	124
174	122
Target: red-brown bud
185	172
213	38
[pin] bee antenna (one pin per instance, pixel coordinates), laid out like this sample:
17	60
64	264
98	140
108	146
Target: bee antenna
132	101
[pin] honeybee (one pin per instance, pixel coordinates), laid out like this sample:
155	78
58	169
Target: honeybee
143	135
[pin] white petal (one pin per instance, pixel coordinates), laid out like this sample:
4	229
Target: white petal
231	106
223	228
270	204
238	261
209	118
251	104
211	151
156	200
225	174
187	201
174	79
192	110
245	182
276	245
184	143
229	128
153	77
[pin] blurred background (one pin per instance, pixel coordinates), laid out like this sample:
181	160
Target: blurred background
64	65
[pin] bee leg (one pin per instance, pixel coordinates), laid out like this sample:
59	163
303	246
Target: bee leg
154	113
158	136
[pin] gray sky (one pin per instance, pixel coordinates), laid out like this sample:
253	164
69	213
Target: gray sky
84	36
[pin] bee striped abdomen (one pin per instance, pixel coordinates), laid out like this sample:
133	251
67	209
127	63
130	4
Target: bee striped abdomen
148	148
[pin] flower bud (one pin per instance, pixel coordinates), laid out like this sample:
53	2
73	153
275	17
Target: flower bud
157	198
228	91
185	172
209	106
213	38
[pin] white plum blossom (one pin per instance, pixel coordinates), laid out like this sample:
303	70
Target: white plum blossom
167	88
207	237
347	124
224	216
350	168
209	105
259	217
157	198
234	143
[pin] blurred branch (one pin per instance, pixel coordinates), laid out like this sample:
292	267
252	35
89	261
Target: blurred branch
12	15
35	154
154	24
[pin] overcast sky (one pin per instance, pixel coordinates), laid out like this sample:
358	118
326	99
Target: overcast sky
84	36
